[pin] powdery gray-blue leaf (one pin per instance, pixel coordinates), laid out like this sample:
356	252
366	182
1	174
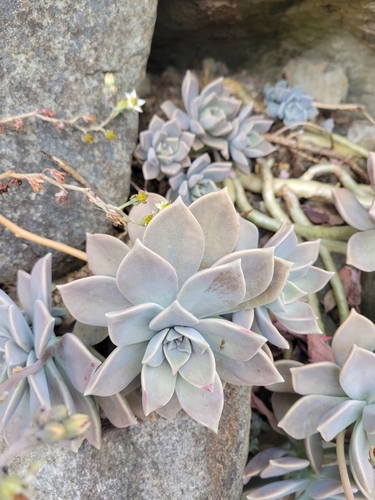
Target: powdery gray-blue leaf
354	377
158	386
318	378
360	251
351	210
200	370
104	253
339	418
283	465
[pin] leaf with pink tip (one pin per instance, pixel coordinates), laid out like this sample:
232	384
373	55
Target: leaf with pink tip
229	339
278	489
360	252
170	410
132	325
317	378
105	253
360	467
303	418
339	418
283	465
203	406
145	276
351	210
199	370
43	327
157	386
117	371
175	235
354	375
214	290
221	231
89	299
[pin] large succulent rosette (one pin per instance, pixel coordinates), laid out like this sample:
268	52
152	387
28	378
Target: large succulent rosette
360	253
337	395
294	314
39	369
163	148
208	114
162	303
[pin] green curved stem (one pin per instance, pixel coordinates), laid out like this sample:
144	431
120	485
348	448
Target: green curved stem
341	462
268	193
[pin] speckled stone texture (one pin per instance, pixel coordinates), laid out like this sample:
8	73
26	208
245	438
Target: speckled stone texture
54	54
178	460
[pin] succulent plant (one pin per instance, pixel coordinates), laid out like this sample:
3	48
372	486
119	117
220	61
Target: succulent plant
200	179
337	395
288	104
304	278
162	304
208	114
245	140
163	148
39	369
360	252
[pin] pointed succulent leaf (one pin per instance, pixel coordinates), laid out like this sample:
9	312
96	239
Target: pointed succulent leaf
263	324
284	240
229	339
158	386
138	212
43	327
24	292
220	232
41	278
360	251
303	418
214	290
186	253
145	276
260	461
104	253
38	383
314	280
174	314
328	488
117	410
202	405
281	404
89	334
284	368
318	378
21	418
58	388
199	370
89	299
132	325
249	235
20	329
368	418
190	89
314	452
170	410
176	357
351	210
117	371
14	354
283	465
339	418
354	377
278	489
360	467
154	354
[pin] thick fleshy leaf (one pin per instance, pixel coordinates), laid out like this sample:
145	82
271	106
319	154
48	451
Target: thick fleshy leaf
41	281
89	299
263	324
278	489
244	318
38	382
314	280
284	368
12	402
356	329
203	406
361	469
175	235
76	360
20	420
368	418
173	315
43	327
24	292
339	418
87	406
327	488
170	410
89	334
144	276
214	290
20	329
317	378
284	240
189	90
105	253
154	353
249	235
229	339
140	211
157	386
117	371
260	461
303	418
199	370
175	357
298	318
58	389
14	355
221	231
132	325
283	465
281	403
351	210
314	452
360	251
354	376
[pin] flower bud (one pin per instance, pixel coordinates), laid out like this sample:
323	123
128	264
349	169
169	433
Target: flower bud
109	80
372	457
53	432
76	425
59	413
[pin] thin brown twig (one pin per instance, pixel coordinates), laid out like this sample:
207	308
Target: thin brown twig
69	169
345	107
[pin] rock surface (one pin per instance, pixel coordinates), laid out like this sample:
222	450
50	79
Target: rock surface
362	132
58	60
158	460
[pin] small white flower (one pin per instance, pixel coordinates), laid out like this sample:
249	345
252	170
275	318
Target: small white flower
134	102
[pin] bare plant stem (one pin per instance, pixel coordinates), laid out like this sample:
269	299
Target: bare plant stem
341	462
268	193
345	107
27	235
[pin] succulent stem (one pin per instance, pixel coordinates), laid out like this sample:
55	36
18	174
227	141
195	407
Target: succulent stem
270	202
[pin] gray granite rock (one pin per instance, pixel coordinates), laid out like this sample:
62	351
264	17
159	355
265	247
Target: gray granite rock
362	132
161	460
54	54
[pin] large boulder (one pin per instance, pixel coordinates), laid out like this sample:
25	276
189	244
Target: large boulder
156	460
55	54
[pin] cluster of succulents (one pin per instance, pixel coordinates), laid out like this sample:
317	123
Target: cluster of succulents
290	105
360	252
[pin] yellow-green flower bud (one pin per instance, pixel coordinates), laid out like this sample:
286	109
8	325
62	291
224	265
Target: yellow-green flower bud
109	80
142	196
12	487
59	413
53	432
76	425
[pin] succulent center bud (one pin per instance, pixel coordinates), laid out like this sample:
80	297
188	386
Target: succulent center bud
168	147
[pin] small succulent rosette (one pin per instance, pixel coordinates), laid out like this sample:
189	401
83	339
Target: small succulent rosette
290	105
337	395
162	303
360	252
163	148
200	179
39	369
208	114
246	141
304	278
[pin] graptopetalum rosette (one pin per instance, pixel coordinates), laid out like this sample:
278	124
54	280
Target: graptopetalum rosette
39	369
162	301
